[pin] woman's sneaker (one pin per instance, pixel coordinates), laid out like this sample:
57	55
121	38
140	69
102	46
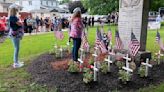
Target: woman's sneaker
17	65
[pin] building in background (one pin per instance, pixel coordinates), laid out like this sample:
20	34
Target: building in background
39	8
4	5
29	5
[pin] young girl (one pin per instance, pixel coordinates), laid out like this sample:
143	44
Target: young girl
76	32
16	33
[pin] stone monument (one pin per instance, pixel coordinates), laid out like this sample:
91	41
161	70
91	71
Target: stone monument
133	16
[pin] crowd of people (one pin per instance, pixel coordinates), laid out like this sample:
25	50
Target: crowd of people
40	24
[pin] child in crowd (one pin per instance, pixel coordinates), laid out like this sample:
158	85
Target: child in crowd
105	40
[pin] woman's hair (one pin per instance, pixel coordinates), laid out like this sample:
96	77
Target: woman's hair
13	12
76	15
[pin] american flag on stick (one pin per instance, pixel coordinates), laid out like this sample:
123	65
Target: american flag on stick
110	34
158	37
99	41
85	43
59	35
118	40
159	41
134	45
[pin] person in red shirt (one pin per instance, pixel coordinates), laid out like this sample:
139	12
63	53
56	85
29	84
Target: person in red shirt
2	27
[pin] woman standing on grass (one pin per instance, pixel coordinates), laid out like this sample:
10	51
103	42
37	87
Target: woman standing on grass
16	33
76	32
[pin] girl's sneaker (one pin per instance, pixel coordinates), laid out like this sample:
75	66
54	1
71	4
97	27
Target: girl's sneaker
20	62
17	65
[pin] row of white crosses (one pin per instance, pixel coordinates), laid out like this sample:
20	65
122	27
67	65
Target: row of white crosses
61	48
128	70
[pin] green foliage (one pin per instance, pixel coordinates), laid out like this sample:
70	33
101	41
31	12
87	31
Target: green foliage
101	7
52	52
87	75
73	67
120	64
142	71
91	61
123	76
162	23
156	4
152	88
74	4
104	67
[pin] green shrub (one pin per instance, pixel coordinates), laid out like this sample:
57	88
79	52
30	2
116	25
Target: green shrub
104	67
120	64
52	52
123	76
142	71
73	67
87	75
91	61
162	23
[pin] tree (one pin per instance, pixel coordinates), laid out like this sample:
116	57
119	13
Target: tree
75	4
156	4
101	6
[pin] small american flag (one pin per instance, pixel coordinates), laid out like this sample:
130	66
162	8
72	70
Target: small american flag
161	45
134	45
99	42
85	43
110	34
118	41
158	37
59	35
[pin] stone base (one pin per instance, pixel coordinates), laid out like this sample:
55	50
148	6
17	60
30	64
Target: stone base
142	56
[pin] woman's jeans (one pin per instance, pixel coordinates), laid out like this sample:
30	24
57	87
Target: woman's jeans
76	46
16	43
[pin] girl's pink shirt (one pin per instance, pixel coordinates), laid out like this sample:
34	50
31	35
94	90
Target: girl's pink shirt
76	28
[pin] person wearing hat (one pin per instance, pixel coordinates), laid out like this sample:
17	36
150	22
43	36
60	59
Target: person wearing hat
76	28
16	33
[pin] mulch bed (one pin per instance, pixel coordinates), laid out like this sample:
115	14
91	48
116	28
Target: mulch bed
46	69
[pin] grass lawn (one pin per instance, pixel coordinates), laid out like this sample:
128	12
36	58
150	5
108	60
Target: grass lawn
17	80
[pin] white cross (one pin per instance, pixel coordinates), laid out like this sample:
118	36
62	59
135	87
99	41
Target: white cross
81	58
112	53
147	65
159	55
95	54
61	51
109	62
95	71
68	44
110	46
55	46
127	64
